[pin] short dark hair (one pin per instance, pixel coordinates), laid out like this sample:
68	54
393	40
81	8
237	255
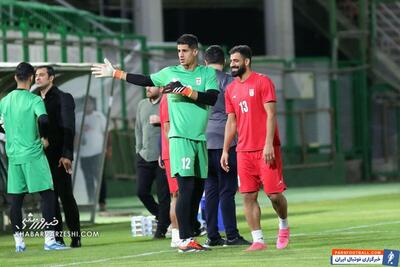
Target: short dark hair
50	70
215	55
23	71
188	39
243	50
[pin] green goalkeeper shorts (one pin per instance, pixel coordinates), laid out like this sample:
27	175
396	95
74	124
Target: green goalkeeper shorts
188	157
30	177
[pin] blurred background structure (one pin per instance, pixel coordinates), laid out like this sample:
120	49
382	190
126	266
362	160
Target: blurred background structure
335	64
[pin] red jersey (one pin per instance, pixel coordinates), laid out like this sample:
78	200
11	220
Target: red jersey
164	117
246	99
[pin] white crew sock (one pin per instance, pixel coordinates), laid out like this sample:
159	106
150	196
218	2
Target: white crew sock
49	237
257	236
283	223
19	239
175	235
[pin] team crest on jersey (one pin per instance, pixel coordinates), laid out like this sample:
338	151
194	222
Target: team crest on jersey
198	81
251	92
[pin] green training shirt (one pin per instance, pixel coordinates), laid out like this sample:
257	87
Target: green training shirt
188	119
19	111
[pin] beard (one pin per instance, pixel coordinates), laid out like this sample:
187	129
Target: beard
238	73
42	86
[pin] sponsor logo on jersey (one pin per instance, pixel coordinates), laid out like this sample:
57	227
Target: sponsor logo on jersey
251	92
198	81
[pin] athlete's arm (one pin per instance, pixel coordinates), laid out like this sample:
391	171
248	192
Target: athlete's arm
137	79
138	132
166	128
208	98
43	122
166	131
108	70
161	162
268	153
230	131
67	124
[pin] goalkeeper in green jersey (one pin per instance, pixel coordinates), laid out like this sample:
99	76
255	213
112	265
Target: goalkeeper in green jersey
191	89
25	123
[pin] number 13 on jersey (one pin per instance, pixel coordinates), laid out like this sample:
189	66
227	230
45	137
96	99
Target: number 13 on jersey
243	106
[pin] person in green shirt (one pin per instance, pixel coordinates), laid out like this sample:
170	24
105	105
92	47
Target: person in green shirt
24	121
191	89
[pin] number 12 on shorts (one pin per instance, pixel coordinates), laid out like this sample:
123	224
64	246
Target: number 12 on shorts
186	163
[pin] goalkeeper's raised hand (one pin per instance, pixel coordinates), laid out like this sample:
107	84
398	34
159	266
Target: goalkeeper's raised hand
177	88
106	70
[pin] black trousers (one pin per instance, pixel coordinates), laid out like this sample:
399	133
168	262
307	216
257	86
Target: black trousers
149	172
91	172
220	189
64	191
187	205
47	205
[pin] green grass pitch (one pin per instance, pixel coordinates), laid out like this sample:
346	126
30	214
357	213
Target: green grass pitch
321	218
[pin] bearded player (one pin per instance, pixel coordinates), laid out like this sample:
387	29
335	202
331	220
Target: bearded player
251	106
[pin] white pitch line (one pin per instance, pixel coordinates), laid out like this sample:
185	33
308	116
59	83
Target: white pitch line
164	251
344	233
112	258
346	229
362	226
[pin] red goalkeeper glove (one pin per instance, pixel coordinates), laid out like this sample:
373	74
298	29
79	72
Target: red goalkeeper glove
177	88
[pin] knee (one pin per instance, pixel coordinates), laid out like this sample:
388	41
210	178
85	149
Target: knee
249	198
275	198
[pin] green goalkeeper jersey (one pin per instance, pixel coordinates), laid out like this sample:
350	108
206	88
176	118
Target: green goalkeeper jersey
19	111
188	119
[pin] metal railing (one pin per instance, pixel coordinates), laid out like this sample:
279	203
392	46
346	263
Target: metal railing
39	15
387	30
307	148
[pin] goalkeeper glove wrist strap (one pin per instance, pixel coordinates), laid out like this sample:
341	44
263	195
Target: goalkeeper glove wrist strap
188	91
117	74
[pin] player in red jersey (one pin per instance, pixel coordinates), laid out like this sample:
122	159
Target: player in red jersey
251	106
165	164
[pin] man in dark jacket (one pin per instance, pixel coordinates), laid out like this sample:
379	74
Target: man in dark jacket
60	108
220	187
